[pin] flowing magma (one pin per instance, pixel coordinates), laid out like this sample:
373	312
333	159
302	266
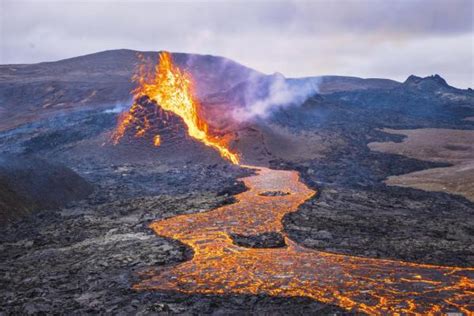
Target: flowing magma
219	266
172	91
373	286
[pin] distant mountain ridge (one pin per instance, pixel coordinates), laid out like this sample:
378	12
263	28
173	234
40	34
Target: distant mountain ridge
29	92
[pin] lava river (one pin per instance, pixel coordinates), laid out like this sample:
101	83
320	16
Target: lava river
373	286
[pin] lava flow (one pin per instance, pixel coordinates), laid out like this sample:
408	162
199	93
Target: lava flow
374	286
219	266
171	89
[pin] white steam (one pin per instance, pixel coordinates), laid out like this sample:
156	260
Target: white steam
117	108
279	93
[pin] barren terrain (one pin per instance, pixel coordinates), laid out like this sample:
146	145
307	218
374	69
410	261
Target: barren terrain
85	255
438	145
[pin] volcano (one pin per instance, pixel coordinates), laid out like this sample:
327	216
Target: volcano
205	186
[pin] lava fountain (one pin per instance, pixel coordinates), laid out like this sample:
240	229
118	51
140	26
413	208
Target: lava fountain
172	90
219	266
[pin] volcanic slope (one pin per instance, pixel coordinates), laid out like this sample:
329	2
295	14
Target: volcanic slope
325	139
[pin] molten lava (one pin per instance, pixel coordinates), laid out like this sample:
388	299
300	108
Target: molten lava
171	89
219	266
157	140
373	286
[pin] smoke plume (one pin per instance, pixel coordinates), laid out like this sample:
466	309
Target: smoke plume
265	95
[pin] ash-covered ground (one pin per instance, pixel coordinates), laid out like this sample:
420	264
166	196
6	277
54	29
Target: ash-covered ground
83	255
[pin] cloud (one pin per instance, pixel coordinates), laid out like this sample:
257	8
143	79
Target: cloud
369	38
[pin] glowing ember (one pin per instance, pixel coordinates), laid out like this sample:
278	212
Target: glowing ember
156	140
373	286
171	89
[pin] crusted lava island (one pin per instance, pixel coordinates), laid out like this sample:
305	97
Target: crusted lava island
197	195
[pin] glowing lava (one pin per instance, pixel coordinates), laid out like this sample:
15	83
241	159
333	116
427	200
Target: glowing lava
373	286
219	266
171	89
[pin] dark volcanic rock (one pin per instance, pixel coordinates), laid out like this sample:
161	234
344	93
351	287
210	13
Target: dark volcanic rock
233	189
274	193
265	240
363	216
30	184
396	223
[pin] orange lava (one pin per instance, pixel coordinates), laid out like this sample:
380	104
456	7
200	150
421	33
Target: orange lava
171	89
373	286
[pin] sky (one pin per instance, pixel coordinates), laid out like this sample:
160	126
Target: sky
363	38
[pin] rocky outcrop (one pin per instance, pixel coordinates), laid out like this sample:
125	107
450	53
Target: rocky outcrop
264	240
430	83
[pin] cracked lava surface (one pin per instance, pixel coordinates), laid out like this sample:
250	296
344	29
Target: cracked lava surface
373	286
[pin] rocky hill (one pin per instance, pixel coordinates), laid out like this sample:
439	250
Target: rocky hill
31	184
103	80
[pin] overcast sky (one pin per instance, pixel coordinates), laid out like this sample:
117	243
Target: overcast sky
365	38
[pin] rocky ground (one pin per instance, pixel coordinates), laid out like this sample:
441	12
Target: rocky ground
394	223
356	212
85	257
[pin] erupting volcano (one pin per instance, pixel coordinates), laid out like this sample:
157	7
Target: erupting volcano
234	167
220	266
172	90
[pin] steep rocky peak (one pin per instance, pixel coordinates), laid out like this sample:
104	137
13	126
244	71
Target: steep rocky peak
433	81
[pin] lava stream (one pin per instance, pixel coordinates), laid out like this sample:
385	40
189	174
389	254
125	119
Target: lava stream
374	286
